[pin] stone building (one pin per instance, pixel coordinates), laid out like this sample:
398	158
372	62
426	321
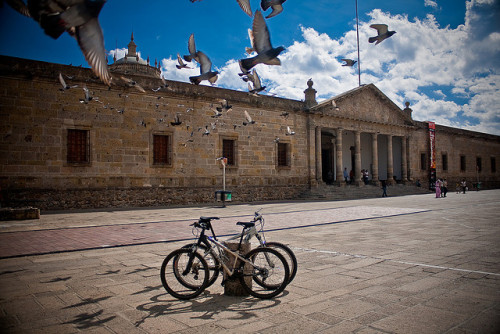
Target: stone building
124	147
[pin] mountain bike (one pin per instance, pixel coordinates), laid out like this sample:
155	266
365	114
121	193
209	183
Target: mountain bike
253	228
185	273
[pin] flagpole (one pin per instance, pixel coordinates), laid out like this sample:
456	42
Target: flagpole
357	35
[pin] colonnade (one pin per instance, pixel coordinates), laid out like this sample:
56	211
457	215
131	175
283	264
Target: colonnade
338	134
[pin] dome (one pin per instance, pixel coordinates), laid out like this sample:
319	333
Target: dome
133	64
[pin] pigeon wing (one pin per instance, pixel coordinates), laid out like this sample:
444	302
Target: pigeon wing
91	42
205	63
245	5
276	10
262	38
61	80
19	6
256	80
381	28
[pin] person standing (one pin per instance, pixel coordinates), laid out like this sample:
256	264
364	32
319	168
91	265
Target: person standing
463	184
384	188
346	175
438	188
444	188
351	176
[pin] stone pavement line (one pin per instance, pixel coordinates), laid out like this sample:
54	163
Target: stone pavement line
395	261
39	242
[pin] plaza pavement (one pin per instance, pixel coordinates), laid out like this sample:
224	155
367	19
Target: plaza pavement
412	264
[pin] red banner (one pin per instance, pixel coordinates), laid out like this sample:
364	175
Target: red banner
432	141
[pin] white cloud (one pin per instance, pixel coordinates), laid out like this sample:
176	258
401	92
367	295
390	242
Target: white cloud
430	3
435	68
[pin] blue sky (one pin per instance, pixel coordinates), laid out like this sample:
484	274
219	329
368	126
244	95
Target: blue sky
444	58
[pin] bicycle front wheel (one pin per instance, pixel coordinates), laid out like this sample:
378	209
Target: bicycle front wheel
184	274
212	261
268	269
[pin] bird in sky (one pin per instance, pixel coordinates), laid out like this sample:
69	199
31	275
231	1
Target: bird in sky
289	131
63	83
383	33
276	6
181	63
79	19
177	120
349	62
225	106
257	86
206	72
334	105
266	54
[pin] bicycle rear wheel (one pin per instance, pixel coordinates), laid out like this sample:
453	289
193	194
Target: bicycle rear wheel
184	274
269	270
212	261
291	260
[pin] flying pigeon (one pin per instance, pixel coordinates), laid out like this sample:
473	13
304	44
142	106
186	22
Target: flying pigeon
276	5
225	106
257	86
176	121
132	83
249	119
266	54
289	131
181	63
382	31
63	83
87	97
79	19
349	62
334	105
206	72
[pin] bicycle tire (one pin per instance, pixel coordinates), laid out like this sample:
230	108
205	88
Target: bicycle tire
276	276
289	256
212	261
178	284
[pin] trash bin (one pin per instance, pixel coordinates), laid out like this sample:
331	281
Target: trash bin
223	196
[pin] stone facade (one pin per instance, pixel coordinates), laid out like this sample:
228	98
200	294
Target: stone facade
122	123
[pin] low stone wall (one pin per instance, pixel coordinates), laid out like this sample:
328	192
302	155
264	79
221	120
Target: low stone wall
47	199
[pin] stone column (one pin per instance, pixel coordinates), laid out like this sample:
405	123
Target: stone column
357	157
390	161
319	169
404	161
338	162
375	157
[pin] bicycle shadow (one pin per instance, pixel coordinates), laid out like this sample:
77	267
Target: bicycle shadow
209	305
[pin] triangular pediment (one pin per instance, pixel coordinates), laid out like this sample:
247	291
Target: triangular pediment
366	103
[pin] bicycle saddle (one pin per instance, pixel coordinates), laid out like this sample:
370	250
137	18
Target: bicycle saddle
207	219
246	224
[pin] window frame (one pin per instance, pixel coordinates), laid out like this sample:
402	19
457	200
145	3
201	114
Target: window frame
444	161
493	164
424	162
463	163
288	150
86	147
479	164
169	146
235	161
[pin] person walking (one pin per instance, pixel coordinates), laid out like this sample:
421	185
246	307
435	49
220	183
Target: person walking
384	188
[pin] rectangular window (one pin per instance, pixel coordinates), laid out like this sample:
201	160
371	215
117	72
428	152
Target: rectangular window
462	163
78	146
161	150
479	164
423	161
228	151
283	155
445	161
493	165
